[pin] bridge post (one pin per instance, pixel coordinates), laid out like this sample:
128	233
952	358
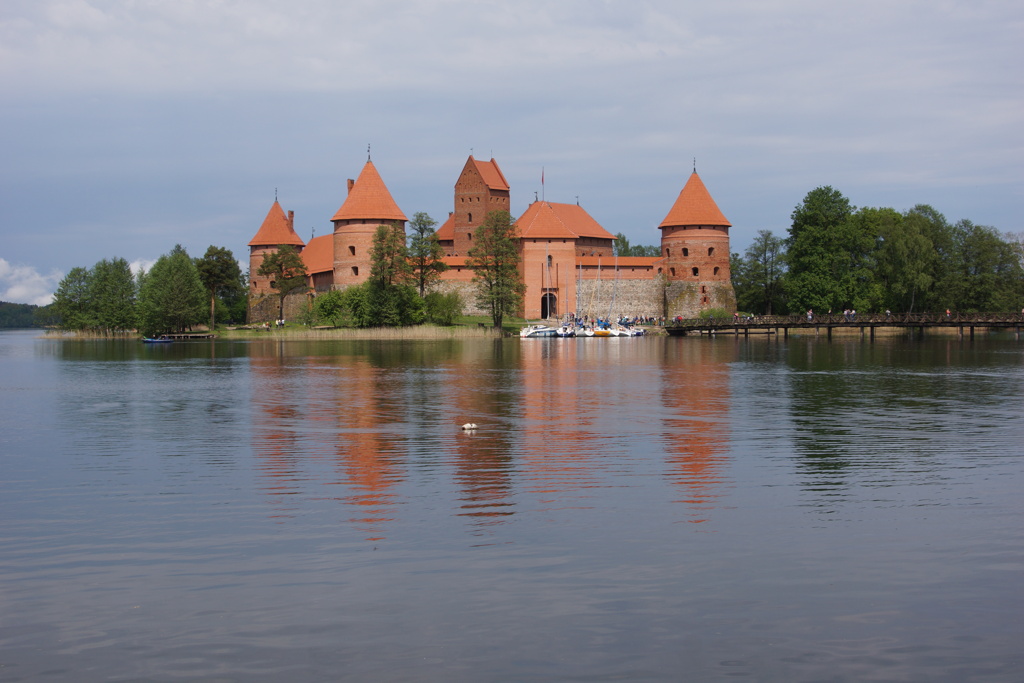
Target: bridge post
829	328
872	334
972	332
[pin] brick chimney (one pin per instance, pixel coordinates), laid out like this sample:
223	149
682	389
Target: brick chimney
350	184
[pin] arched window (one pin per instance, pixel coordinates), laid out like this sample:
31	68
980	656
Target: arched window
716	270
672	271
470	218
686	252
355	271
711	251
668	252
351	251
696	271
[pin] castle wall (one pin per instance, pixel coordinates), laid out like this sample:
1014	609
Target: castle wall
688	299
611	298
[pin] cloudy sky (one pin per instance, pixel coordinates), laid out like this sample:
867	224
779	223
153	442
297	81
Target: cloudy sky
128	126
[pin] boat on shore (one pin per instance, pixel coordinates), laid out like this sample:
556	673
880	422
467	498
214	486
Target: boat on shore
531	331
162	339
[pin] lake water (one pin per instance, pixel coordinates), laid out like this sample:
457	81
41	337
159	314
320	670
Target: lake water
655	509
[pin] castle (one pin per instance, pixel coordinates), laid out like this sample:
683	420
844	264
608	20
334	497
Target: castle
568	261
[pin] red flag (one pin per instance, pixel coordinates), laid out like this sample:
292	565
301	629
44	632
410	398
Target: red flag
541	175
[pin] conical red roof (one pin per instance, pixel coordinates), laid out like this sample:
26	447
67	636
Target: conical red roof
276	229
694	207
369	199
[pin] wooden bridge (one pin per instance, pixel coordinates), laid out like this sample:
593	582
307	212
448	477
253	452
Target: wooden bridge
916	322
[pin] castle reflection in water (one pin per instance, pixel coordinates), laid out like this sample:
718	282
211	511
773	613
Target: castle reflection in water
561	422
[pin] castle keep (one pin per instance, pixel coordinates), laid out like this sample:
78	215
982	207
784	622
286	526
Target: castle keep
568	259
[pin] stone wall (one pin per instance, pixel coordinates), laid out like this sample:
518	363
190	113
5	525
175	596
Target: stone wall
688	299
615	298
264	307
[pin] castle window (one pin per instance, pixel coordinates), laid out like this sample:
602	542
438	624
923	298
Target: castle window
668	252
469	235
549	261
470	218
351	251
716	270
696	271
672	271
355	271
711	251
659	271
686	252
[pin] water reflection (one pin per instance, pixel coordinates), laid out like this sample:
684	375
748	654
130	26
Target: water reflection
879	415
695	390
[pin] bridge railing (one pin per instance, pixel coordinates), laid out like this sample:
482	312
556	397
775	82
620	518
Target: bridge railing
901	319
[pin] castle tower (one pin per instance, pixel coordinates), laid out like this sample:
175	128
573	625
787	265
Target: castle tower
277	229
368	206
480	189
695	248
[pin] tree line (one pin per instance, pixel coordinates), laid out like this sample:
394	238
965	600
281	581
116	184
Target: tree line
175	294
837	257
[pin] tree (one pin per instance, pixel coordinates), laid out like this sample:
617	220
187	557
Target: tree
425	252
171	295
757	277
624	248
990	269
389	259
71	300
112	296
828	253
905	259
219	272
494	259
287	272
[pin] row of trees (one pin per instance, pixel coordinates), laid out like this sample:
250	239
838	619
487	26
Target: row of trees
837	256
176	293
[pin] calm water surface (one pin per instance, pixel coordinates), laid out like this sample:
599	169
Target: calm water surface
628	509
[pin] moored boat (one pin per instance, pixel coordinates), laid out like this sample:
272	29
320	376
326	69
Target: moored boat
538	331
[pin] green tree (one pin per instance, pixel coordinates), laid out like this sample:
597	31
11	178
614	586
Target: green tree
624	248
112	296
171	295
425	252
220	274
829	255
389	258
757	276
71	301
287	273
990	269
443	308
905	259
494	259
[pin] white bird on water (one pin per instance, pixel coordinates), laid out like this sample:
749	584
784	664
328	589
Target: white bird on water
468	426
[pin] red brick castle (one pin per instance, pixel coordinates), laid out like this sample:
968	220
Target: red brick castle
568	260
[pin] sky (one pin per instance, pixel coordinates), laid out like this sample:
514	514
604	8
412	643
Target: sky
129	126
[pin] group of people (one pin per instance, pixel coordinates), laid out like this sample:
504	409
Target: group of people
277	323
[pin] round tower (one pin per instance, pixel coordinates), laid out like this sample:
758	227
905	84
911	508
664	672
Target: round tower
695	253
368	206
277	229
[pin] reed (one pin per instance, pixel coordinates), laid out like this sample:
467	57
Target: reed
412	332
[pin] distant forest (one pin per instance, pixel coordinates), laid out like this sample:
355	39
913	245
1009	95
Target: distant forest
22	316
